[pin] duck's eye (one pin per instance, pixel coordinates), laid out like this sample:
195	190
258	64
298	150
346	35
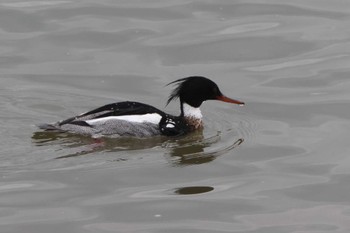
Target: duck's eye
215	91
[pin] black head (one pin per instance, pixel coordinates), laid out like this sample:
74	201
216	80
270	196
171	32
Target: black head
196	89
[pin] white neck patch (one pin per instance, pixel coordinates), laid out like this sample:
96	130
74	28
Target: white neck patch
190	111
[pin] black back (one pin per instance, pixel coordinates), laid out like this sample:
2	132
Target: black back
115	109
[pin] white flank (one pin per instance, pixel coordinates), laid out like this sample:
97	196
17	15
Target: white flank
190	111
149	117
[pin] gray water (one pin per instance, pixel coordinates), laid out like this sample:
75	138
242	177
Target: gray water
280	164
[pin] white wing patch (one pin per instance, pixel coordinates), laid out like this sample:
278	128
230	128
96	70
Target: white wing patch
169	125
149	118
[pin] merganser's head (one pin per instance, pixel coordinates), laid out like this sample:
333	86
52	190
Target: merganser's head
192	91
196	89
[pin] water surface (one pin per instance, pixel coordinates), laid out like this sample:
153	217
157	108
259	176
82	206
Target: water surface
279	164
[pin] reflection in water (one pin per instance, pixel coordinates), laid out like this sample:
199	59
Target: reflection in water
193	190
89	145
43	138
185	150
191	151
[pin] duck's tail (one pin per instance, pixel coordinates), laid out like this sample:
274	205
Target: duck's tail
48	127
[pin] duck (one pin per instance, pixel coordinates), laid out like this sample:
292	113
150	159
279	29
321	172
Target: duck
135	119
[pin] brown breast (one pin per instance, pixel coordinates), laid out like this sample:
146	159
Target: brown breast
194	123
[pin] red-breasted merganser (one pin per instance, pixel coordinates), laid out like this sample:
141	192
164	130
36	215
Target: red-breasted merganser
142	120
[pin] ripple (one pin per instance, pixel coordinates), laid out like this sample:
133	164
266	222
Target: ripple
233	126
248	28
324	80
96	39
319	218
28	185
222	134
232	50
44	215
295	63
33	4
190	225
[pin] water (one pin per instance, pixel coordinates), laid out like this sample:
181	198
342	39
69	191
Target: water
279	164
